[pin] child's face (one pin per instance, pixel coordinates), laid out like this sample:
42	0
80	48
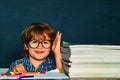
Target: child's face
39	48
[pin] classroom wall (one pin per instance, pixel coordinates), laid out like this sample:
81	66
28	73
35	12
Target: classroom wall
80	21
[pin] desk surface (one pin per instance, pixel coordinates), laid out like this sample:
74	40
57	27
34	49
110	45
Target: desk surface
53	75
94	78
2	70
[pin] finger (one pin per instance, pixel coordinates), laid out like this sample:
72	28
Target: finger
14	70
21	68
58	40
55	40
56	37
18	70
59	37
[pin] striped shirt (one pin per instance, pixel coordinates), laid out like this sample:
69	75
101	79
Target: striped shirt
47	65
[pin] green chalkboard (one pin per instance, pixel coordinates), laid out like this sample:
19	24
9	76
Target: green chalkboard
80	21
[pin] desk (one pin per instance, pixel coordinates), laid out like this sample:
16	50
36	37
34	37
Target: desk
2	70
52	75
94	78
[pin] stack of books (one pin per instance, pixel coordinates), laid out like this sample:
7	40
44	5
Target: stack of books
95	61
66	53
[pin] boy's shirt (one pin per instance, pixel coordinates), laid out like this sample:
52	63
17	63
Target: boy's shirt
47	65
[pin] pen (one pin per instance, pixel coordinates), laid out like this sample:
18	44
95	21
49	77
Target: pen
12	73
4	74
35	73
27	76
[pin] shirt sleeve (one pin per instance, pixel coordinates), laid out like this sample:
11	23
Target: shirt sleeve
13	64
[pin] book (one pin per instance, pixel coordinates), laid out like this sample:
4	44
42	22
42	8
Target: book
95	61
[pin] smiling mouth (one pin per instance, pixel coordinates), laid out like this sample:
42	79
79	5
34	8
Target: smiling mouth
39	52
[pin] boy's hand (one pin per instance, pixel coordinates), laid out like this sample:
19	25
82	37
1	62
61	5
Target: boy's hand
19	68
57	51
56	44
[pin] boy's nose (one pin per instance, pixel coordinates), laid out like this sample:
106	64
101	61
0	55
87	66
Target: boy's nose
40	46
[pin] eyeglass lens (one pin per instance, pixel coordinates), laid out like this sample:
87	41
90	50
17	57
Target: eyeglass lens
35	43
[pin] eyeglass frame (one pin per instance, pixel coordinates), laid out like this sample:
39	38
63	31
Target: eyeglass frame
40	42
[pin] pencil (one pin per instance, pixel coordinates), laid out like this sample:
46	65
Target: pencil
4	74
34	72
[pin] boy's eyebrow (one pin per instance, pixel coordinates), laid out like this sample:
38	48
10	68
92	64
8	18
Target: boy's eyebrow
42	40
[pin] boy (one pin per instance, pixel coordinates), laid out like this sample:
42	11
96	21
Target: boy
40	41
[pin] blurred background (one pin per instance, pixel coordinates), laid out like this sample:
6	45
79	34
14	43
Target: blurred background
80	21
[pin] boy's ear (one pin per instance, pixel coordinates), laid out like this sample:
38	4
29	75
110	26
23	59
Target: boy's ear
25	47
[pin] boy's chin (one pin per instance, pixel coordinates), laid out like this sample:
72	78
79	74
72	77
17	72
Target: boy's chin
40	58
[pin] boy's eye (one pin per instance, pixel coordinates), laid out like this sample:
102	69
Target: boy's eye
34	41
46	42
